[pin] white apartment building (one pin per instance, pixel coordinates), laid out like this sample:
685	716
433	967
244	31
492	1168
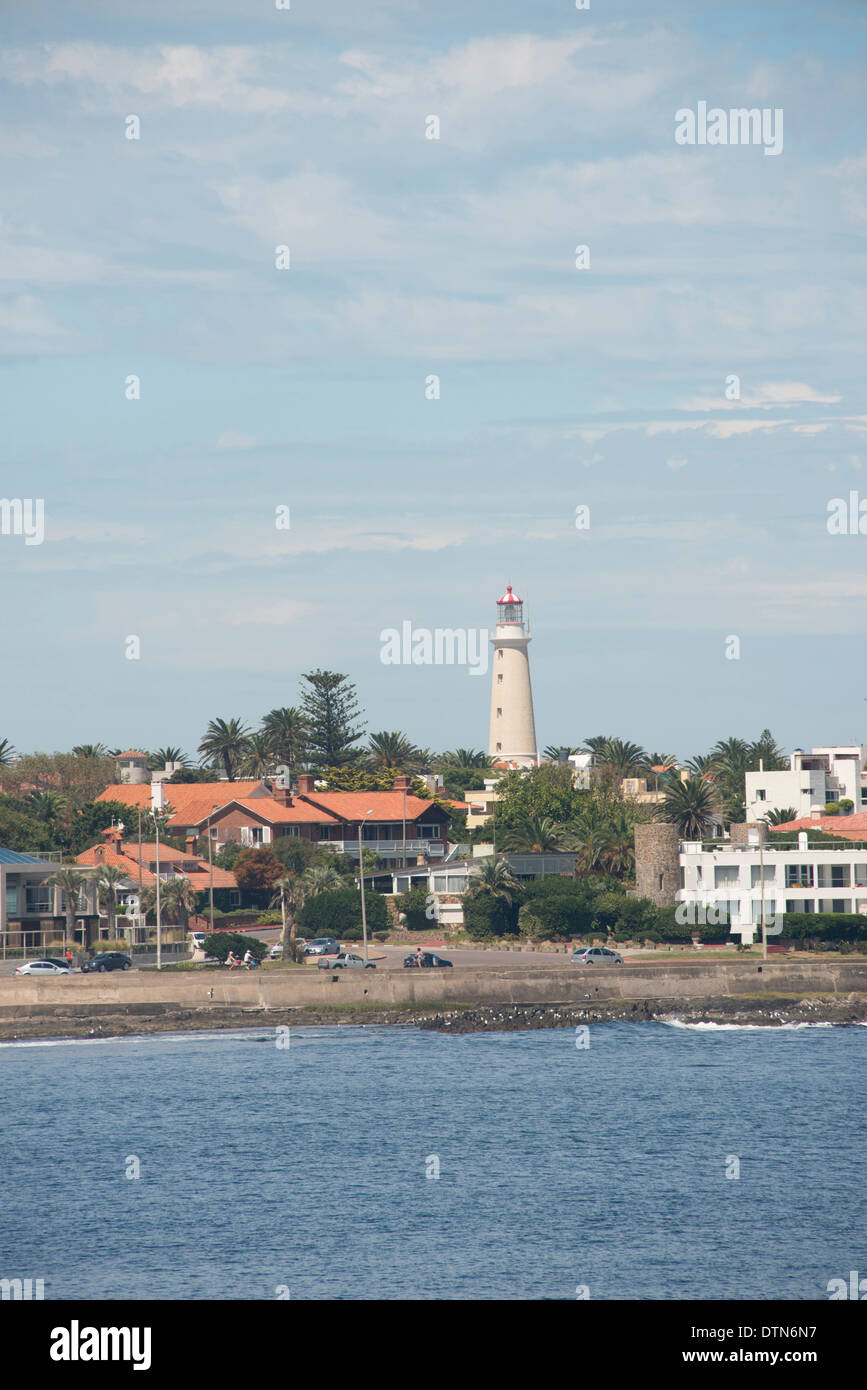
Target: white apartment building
802	879
814	778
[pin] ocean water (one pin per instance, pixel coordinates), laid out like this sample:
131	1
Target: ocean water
269	1170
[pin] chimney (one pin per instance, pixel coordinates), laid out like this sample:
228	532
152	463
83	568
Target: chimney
190	844
158	796
113	837
403	784
305	783
282	795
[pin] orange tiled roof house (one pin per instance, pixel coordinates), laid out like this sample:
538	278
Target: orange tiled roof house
255	813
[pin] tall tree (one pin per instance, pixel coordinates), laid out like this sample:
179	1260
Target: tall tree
331	709
160	756
109	879
90	750
258	758
536	835
224	741
70	882
394	749
286	731
463	759
692	806
7	752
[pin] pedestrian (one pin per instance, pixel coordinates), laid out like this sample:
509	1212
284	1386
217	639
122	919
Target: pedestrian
69	958
419	957
248	957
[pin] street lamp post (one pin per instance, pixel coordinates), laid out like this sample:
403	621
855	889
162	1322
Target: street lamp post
159	918
361	880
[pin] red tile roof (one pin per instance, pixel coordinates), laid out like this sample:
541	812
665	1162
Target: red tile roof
127	859
353	806
847	827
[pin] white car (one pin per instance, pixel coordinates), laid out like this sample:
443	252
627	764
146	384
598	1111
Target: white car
199	939
42	967
276	951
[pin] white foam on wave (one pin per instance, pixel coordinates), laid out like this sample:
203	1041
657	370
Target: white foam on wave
742	1027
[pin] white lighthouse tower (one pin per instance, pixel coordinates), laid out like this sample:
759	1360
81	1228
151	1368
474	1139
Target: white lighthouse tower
513	729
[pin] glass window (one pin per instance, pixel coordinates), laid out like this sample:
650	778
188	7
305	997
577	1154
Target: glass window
799	876
725	873
756	874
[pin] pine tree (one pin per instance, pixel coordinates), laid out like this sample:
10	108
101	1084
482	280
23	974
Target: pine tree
331	710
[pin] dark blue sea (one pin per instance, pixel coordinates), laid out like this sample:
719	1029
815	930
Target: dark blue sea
269	1170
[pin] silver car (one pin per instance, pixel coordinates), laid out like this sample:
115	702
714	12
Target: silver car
346	961
596	955
42	967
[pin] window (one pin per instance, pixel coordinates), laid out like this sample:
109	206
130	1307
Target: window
725	873
660	882
428	832
860	875
234	897
799	876
499	653
499	747
499	680
833	876
499	713
834	905
802	905
370	832
760	794
11	898
770	874
38	898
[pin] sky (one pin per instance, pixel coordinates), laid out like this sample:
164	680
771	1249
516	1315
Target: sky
305	388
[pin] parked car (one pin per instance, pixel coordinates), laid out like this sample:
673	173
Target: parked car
199	939
276	951
596	955
322	946
346	961
42	967
428	961
106	960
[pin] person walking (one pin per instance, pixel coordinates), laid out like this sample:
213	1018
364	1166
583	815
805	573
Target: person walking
69	958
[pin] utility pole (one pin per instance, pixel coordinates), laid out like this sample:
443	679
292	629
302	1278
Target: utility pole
361	881
159	918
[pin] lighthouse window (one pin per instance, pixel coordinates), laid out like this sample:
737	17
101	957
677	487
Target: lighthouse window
499	747
499	713
500	654
499	680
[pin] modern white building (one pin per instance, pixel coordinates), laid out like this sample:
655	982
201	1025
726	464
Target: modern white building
728	879
513	730
812	779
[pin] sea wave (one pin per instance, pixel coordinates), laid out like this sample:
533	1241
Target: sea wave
742	1027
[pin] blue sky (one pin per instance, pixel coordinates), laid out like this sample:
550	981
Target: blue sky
410	256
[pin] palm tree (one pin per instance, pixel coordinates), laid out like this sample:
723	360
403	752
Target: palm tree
493	878
90	750
109	879
589	843
553	750
767	751
394	749
224	742
286	730
158	759
258	758
48	806
780	817
178	901
536	835
7	752
463	759
321	878
703	765
70	882
692	806
622	759
595	744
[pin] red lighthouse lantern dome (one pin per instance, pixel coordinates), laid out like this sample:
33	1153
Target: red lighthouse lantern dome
509	607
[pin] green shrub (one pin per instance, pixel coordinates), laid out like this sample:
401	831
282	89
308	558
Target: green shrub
221	943
413	904
339	912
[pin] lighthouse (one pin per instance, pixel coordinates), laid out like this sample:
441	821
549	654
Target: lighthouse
513	729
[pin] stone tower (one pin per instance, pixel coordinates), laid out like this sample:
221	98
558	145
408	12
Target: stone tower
513	729
657	862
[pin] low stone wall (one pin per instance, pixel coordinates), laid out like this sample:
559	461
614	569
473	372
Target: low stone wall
468	987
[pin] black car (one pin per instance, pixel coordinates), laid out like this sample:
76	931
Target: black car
107	960
428	961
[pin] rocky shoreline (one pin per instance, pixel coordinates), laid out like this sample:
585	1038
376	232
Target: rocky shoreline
762	1011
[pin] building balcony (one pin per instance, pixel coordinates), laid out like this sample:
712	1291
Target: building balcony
390	849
